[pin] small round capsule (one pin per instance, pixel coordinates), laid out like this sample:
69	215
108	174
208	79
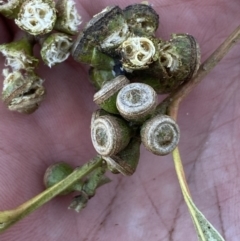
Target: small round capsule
136	101
160	135
107	95
142	19
110	135
57	172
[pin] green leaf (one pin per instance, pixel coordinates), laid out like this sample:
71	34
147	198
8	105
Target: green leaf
205	230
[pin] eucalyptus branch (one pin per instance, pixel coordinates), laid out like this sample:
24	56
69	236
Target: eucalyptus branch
84	51
10	217
204	229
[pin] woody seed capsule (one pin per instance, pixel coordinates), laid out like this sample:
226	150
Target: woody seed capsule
160	135
136	101
178	61
142	19
107	95
110	135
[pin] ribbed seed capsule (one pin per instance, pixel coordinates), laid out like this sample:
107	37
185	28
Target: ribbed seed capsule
125	161
107	95
142	19
110	135
136	101
160	135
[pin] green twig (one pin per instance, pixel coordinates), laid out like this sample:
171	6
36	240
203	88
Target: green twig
9	217
205	230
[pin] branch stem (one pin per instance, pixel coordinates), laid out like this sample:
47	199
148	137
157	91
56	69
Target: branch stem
203	227
9	217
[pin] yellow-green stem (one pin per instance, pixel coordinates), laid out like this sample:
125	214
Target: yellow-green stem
9	217
204	229
183	184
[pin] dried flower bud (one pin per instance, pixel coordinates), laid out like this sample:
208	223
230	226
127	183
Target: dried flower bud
68	18
10	8
56	48
37	16
22	92
142	19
